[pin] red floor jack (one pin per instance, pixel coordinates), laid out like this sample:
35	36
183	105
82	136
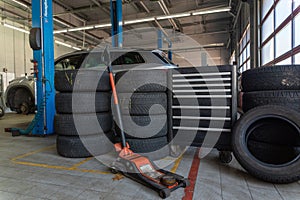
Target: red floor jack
135	166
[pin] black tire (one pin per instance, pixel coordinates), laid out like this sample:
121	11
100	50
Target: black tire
262	161
23	99
2	112
142	121
82	80
281	77
83	146
87	124
288	98
140	103
85	102
153	148
151	81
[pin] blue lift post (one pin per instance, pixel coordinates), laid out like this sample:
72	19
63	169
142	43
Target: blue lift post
116	23
160	41
42	17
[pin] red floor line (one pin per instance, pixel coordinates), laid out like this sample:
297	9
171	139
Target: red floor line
189	191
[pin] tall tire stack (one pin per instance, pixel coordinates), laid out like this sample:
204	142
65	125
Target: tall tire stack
83	122
266	139
143	103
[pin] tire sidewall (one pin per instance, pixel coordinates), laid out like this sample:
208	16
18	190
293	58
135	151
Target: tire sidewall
247	160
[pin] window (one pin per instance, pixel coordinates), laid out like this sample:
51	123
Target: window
268	52
277	30
282	11
287	61
297	30
93	60
244	54
268	27
68	63
297	59
129	58
266	5
296	3
283	40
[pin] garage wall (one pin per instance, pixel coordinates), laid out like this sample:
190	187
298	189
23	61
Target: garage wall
15	52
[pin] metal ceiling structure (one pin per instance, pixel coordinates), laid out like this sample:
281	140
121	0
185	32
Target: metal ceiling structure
87	14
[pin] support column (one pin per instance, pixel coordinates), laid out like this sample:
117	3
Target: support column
254	34
42	17
116	23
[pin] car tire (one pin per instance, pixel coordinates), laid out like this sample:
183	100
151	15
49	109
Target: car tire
83	146
288	98
281	77
82	81
151	132
140	103
85	102
142	81
253	157
87	124
153	148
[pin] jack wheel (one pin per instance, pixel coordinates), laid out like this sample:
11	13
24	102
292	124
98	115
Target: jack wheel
164	193
186	183
225	157
1	112
113	170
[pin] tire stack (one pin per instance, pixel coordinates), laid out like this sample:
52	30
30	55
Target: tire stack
277	85
83	122
266	139
143	103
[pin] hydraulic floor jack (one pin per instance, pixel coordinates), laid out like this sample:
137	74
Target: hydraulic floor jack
135	166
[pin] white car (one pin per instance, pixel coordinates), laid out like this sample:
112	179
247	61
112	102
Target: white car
20	93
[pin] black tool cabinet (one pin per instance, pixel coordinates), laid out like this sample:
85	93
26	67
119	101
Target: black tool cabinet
202	101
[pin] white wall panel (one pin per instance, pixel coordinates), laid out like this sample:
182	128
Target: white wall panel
9	50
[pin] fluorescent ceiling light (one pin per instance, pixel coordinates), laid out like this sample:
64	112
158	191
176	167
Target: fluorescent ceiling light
139	20
80	28
20	3
66	45
60	31
102	25
16	28
217	10
173	16
178	15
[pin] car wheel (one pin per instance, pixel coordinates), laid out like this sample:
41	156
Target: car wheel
83	146
281	77
142	81
86	102
288	98
82	80
140	103
87	124
276	161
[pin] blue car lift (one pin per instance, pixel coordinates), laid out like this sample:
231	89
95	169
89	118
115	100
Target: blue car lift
42	20
116	23
160	42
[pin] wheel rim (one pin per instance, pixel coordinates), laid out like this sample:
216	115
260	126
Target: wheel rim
24	108
280	141
1	111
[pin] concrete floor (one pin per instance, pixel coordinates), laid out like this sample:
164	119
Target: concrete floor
31	169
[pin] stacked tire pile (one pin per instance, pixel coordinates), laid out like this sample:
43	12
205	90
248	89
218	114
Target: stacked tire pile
143	103
83	122
266	140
